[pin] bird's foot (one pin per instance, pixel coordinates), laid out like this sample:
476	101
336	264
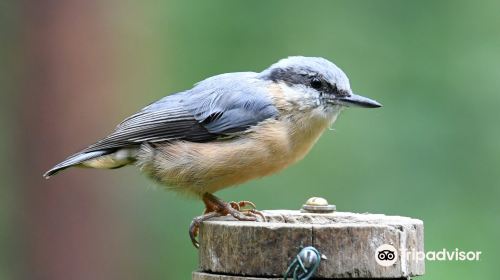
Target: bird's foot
215	207
242	204
247	208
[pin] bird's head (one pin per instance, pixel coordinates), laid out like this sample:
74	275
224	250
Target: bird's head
316	83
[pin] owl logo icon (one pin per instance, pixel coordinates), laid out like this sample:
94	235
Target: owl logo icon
386	255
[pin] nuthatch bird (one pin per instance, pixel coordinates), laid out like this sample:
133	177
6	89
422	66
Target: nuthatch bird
226	130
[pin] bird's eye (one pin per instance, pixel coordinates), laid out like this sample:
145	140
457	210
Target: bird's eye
316	83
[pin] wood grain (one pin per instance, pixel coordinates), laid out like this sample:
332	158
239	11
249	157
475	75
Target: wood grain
348	240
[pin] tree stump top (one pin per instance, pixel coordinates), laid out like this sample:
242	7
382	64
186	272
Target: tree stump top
349	241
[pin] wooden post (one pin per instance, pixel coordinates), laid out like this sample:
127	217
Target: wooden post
236	250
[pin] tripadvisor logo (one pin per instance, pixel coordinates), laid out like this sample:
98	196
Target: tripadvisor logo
443	255
387	255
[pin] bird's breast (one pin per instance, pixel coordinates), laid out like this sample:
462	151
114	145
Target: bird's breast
207	167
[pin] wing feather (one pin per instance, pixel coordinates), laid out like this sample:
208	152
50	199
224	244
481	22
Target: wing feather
221	105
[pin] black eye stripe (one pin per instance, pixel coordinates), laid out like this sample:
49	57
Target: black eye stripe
291	77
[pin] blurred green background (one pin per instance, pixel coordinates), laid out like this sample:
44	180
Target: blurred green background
71	70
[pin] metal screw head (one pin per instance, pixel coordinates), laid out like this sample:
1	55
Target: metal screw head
316	201
318	205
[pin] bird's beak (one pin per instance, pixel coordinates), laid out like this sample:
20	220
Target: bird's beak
354	100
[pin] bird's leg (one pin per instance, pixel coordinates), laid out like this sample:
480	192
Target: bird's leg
216	207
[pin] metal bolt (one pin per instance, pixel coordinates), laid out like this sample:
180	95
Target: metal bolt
318	205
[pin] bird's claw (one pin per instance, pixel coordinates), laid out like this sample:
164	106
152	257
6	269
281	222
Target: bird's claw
242	211
241	205
257	214
194	227
248	208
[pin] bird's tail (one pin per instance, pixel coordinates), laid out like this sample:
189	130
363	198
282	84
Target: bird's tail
73	160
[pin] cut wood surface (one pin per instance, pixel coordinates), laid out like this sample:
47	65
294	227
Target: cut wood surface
347	240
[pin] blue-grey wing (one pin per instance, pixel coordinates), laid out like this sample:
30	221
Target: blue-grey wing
241	102
219	106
